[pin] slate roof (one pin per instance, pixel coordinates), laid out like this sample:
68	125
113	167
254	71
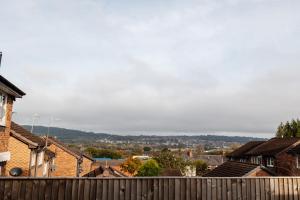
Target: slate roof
273	146
104	172
241	152
232	169
75	152
26	136
10	88
295	149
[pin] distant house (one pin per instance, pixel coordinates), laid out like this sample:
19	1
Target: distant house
238	169
69	162
105	171
28	153
212	161
8	94
279	155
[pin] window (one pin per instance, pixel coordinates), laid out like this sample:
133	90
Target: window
256	160
3	101
40	158
298	161
33	158
270	162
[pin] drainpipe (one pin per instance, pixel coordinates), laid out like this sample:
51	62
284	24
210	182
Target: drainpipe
29	174
36	160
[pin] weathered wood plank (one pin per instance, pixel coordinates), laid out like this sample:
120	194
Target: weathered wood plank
193	189
122	190
127	189
267	189
188	189
42	189
116	189
99	189
28	190
177	189
68	190
224	189
229	189
234	189
262	189
213	189
172	188
75	185
15	189
208	195
61	189
204	189
219	189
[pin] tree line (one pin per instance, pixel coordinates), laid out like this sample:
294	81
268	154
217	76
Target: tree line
289	129
164	163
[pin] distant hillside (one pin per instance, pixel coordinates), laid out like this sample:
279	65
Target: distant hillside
69	135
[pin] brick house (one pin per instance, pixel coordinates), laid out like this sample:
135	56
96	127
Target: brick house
278	155
8	94
68	161
28	153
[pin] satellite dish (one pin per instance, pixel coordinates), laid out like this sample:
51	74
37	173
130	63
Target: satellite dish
16	171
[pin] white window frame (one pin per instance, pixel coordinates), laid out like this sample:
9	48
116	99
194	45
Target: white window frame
270	162
33	158
45	170
3	108
40	158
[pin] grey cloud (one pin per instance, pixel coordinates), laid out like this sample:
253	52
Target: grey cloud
163	66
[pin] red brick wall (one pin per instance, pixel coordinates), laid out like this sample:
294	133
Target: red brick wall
20	156
4	134
66	164
285	165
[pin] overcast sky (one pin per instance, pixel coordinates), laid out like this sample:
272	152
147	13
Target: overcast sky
159	66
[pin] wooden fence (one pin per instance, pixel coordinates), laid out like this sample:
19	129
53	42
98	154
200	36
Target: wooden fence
287	188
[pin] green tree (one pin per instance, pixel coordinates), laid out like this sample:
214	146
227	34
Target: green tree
294	128
298	128
167	160
287	130
147	149
201	167
131	165
280	131
149	168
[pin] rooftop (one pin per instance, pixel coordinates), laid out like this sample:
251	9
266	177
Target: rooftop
273	146
240	152
232	169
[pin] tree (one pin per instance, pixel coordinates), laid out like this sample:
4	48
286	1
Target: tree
201	167
287	130
294	128
167	160
103	153
149	168
147	149
280	131
131	165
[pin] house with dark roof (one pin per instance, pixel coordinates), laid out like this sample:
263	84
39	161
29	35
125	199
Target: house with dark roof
69	162
278	155
238	169
29	154
8	94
